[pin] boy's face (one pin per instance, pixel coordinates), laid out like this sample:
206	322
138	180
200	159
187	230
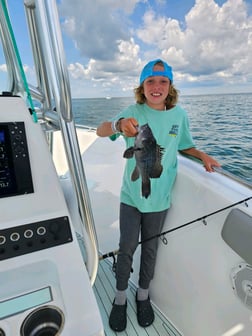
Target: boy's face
156	89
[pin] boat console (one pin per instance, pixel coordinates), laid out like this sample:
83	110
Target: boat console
44	285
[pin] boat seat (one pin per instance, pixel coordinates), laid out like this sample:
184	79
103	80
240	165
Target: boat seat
237	233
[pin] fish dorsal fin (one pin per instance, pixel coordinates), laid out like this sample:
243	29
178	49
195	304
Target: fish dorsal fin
160	152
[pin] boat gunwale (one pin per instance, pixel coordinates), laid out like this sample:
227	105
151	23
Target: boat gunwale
218	170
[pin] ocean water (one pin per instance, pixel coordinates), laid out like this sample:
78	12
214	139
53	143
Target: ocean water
221	125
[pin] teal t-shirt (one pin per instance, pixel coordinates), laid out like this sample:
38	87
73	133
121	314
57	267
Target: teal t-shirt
171	131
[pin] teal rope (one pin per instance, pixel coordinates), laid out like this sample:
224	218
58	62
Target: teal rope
21	69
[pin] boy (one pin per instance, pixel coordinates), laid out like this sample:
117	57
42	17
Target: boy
156	99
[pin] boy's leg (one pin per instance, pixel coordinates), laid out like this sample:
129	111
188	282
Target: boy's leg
152	224
130	222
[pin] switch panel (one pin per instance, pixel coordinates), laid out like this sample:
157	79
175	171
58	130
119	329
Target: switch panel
33	237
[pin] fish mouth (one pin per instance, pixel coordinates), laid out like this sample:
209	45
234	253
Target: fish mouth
137	128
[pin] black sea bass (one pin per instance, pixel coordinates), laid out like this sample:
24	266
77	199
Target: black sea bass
148	155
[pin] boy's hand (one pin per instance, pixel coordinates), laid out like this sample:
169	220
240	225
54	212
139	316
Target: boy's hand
129	127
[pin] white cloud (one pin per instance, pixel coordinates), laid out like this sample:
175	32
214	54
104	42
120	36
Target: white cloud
160	31
3	68
97	28
215	41
120	72
212	43
111	40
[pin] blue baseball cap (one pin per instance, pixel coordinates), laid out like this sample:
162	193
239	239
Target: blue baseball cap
148	71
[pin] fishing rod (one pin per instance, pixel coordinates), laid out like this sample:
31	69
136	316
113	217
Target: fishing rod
164	233
203	218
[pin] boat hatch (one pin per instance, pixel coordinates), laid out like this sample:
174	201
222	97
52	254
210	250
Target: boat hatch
237	233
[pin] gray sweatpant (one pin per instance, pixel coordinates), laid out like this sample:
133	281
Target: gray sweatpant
132	223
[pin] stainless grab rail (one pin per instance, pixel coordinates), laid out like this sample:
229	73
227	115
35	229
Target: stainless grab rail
53	90
49	32
16	85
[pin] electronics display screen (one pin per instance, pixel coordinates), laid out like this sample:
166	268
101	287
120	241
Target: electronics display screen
7	175
2	137
15	170
24	302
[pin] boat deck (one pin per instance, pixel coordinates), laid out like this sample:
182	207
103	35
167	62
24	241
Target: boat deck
104	288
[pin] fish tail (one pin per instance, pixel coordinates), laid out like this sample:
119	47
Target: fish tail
146	188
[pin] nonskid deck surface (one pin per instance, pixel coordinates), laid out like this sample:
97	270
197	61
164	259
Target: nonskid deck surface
104	291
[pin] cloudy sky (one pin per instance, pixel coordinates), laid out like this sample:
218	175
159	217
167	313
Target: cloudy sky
207	42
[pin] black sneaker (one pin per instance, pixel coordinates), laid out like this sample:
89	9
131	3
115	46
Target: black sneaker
118	317
145	313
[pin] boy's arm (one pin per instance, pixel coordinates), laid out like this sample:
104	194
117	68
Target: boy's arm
105	129
127	126
208	161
